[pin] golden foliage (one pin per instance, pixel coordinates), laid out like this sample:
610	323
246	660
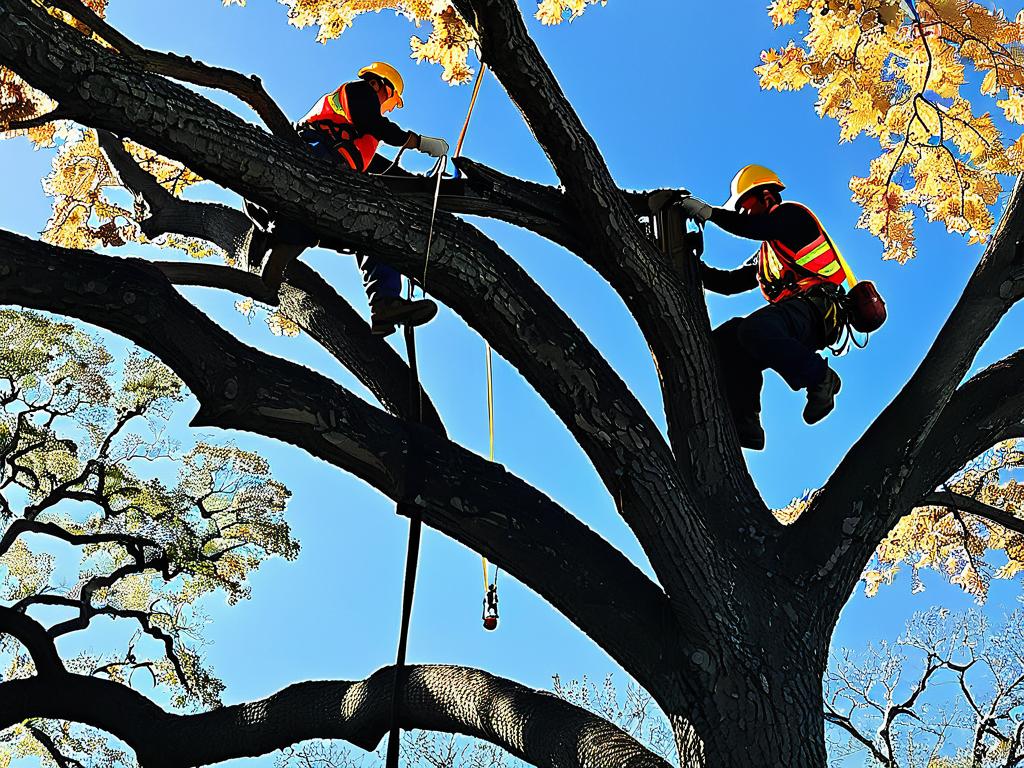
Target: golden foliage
448	44
67	426
18	102
966	549
896	72
85	211
280	325
450	40
557	11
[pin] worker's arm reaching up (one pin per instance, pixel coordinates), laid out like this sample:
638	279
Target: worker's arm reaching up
786	222
730	281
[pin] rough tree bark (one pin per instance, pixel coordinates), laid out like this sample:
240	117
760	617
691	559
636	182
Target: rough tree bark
732	643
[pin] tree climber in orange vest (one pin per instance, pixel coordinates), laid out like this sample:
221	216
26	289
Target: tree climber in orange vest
800	274
344	128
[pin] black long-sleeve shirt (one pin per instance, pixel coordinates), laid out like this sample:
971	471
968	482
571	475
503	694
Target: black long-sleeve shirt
366	117
788	223
364	114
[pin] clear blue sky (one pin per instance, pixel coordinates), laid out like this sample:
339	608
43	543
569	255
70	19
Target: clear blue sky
334	612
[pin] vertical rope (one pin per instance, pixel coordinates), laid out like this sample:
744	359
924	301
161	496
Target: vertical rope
412	552
490	376
412	555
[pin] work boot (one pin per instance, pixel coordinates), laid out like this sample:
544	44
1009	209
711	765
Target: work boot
821	398
388	312
750	432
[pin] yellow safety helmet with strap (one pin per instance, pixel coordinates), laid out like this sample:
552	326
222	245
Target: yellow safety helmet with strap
750	177
387	72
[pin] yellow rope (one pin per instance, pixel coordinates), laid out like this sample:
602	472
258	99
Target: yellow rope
490	377
490	404
469	114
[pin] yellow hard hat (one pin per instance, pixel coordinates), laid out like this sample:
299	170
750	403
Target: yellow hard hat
748	178
387	72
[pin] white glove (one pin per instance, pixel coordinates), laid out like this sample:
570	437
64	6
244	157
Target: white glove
433	147
695	208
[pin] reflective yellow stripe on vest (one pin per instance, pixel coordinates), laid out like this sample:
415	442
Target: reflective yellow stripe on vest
813	254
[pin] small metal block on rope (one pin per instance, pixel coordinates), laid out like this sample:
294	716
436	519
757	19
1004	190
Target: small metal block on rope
490	616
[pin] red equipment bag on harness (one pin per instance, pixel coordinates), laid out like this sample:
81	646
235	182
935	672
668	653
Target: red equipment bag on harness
866	307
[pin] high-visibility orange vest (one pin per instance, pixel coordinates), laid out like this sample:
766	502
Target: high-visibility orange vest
331	116
783	273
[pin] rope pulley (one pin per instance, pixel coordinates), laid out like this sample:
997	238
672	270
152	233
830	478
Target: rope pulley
490	613
490	616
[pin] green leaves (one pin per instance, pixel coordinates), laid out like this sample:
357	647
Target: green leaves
86	468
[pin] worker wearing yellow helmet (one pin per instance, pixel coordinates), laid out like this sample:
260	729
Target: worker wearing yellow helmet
800	273
345	127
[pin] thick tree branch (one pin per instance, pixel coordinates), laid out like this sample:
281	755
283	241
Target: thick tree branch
467	271
304	298
536	207
670	311
248	89
537	727
973	506
869	491
32	635
986	410
462	495
32	122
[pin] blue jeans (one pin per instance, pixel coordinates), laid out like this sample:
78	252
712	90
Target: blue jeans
784	337
380	281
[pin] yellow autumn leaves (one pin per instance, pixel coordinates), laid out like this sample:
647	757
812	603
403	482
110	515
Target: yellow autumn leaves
897	72
450	40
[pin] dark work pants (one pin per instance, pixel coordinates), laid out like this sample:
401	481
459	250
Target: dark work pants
784	337
380	281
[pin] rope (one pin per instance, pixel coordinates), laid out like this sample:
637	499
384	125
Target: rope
490	444
490	372
469	114
412	553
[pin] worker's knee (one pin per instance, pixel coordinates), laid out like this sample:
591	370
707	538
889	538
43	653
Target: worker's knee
753	333
724	336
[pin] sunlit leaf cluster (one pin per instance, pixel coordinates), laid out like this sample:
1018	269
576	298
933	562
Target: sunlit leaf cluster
450	41
966	549
18	102
920	78
84	189
103	516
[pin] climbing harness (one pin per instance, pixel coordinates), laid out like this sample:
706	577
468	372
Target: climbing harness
859	309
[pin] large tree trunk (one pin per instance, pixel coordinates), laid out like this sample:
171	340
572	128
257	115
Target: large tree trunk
763	706
732	641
